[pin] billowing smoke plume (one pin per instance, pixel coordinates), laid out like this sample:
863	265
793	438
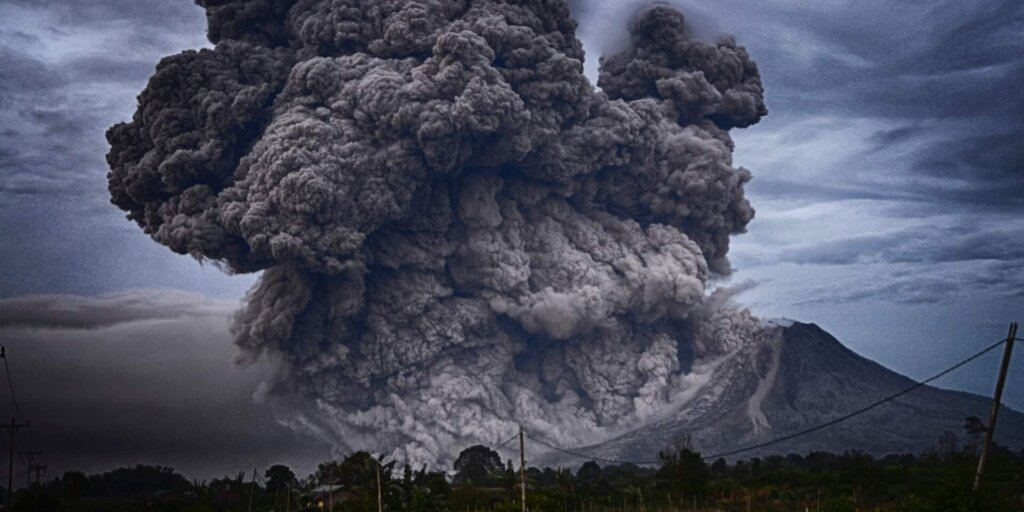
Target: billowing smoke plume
457	231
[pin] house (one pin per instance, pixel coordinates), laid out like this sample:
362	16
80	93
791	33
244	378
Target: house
326	495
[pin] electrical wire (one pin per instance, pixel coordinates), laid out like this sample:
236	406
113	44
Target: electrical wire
610	461
10	385
507	441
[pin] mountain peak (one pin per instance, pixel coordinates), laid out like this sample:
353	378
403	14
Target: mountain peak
803	379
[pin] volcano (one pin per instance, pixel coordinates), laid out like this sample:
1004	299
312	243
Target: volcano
789	383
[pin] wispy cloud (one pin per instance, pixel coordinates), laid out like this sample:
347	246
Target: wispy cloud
83	312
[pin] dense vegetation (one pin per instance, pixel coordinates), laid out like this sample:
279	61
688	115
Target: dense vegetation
938	480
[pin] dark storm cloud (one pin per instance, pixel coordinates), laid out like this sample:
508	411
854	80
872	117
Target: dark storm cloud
49	100
938	283
988	168
949	80
943	61
828	191
68	70
885	138
916	111
102	70
149	20
24	75
918	245
934	259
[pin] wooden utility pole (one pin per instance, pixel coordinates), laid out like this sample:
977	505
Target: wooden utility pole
14	426
252	488
380	501
996	399
522	466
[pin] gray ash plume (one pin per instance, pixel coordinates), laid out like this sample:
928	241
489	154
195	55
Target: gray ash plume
457	232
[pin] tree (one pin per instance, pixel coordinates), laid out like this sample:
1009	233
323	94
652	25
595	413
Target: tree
720	466
589	472
947	445
974	429
358	474
973	426
279	477
326	472
477	465
75	484
407	487
431	491
682	468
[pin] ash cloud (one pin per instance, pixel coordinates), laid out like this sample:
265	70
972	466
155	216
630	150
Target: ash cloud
457	231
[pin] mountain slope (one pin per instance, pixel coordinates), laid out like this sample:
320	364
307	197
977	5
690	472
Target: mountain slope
802	378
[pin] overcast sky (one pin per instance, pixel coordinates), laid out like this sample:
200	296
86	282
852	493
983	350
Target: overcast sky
889	186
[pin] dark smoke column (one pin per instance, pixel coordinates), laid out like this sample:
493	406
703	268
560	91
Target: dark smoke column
457	231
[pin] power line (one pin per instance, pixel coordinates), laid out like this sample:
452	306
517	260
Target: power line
507	441
799	433
3	355
14	426
10	385
570	452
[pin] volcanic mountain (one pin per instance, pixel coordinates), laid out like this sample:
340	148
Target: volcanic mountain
802	378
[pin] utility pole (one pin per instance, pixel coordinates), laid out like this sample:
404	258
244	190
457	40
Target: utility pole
30	457
522	466
380	501
996	399
37	469
14	426
277	492
252	488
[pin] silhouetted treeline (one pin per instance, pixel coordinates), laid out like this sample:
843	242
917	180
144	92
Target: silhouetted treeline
938	480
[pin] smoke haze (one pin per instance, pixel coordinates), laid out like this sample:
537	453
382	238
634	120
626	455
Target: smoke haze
457	231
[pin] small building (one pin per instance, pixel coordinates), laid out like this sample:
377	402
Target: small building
325	495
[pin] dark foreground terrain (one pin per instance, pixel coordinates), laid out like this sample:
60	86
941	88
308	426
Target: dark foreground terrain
936	480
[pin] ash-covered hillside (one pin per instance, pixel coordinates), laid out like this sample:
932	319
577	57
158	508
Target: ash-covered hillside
800	379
